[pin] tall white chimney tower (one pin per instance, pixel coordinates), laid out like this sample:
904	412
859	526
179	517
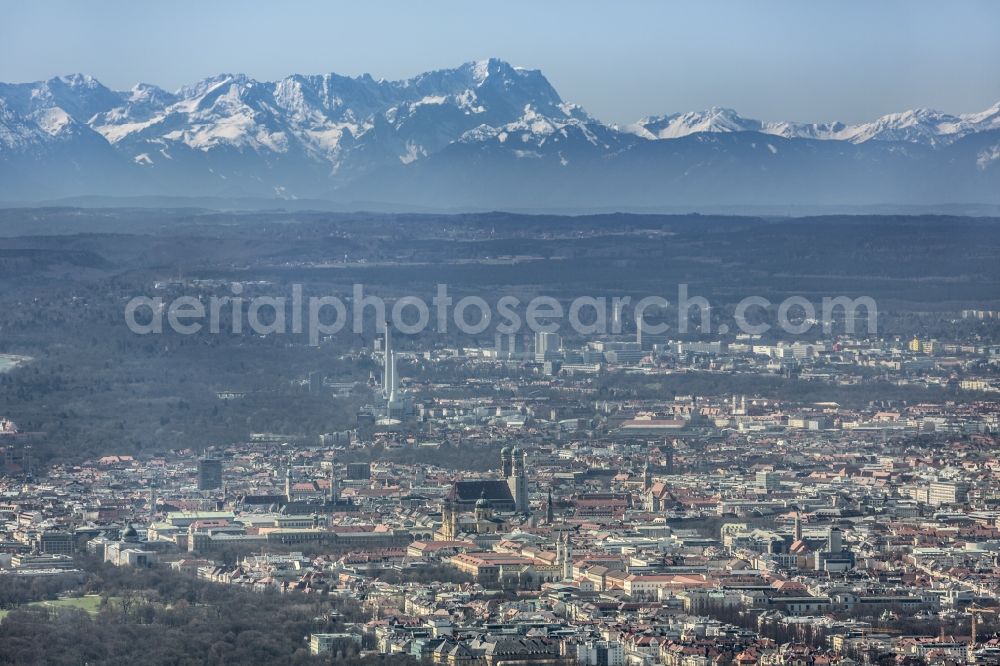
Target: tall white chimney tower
388	378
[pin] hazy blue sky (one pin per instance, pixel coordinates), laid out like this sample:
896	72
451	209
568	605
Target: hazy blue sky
780	59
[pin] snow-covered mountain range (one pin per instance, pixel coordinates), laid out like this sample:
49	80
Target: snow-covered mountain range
482	134
922	126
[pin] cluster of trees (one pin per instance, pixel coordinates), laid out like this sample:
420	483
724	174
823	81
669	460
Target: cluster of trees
156	616
438	573
18	590
93	387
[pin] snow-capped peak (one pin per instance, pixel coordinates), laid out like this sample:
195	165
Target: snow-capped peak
715	119
77	80
480	71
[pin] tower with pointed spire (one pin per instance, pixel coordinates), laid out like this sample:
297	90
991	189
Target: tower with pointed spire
388	381
397	405
334	492
566	562
394	381
446	510
288	481
549	511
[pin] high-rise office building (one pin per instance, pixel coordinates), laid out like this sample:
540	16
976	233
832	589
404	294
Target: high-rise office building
547	346
767	481
315	381
359	471
948	492
209	474
507	345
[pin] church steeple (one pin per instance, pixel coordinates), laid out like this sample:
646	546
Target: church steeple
506	463
549	512
517	481
567	563
447	513
334	485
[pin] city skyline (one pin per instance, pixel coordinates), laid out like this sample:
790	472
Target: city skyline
465	334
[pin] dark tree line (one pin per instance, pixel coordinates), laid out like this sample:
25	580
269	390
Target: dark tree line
157	616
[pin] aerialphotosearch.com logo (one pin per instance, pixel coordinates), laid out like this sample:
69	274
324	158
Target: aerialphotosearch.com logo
321	316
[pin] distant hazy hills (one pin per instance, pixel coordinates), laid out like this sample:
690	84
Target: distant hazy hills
484	134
